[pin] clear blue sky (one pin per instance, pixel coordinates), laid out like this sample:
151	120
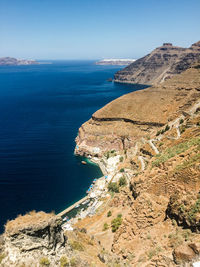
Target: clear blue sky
91	29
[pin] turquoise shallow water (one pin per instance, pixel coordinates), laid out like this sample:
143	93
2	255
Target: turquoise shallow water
41	109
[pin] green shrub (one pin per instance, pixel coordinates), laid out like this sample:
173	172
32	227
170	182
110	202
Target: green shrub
158	133
167	128
109	213
64	261
113	187
121	170
119	215
181	121
115	224
121	159
76	245
44	261
122	181
105	227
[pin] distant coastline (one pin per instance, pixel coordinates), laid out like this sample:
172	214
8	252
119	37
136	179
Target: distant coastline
11	61
115	61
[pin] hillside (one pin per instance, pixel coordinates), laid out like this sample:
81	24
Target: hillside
10	61
161	64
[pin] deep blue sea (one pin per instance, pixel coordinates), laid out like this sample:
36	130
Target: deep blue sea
41	109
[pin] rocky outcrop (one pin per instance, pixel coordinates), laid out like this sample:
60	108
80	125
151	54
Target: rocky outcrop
161	64
122	122
10	61
31	237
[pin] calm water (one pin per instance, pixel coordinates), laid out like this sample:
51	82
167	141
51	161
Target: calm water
41	109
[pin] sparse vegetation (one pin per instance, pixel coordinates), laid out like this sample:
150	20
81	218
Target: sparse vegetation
167	128
188	163
73	261
158	133
181	121
109	213
121	170
113	187
105	227
115	224
182	129
64	261
76	245
2	256
109	154
44	261
175	150
122	181
121	159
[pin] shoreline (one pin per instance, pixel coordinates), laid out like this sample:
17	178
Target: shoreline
88	205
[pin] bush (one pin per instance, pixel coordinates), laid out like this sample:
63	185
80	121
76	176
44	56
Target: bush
76	245
64	261
105	227
167	128
44	261
115	224
121	159
113	187
121	170
158	133
122	181
181	121
109	213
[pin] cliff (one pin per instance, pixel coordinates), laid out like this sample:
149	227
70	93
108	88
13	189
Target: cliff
10	61
161	64
119	124
159	205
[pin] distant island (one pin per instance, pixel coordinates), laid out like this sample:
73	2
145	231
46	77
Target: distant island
11	61
115	61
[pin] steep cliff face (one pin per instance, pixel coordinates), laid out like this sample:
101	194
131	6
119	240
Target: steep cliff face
122	122
161	64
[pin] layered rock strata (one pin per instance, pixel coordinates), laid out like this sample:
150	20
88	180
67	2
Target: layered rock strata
161	64
122	122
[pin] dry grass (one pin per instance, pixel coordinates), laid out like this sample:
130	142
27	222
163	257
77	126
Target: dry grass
31	219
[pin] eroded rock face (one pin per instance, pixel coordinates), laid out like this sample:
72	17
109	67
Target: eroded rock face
161	64
29	238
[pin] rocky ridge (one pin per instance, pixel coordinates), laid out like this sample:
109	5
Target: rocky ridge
161	64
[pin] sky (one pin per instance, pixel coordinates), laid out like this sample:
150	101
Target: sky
95	29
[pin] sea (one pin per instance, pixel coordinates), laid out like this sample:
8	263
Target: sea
41	109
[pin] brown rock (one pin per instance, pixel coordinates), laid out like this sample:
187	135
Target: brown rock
183	253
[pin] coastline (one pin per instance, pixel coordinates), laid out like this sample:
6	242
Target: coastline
88	205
